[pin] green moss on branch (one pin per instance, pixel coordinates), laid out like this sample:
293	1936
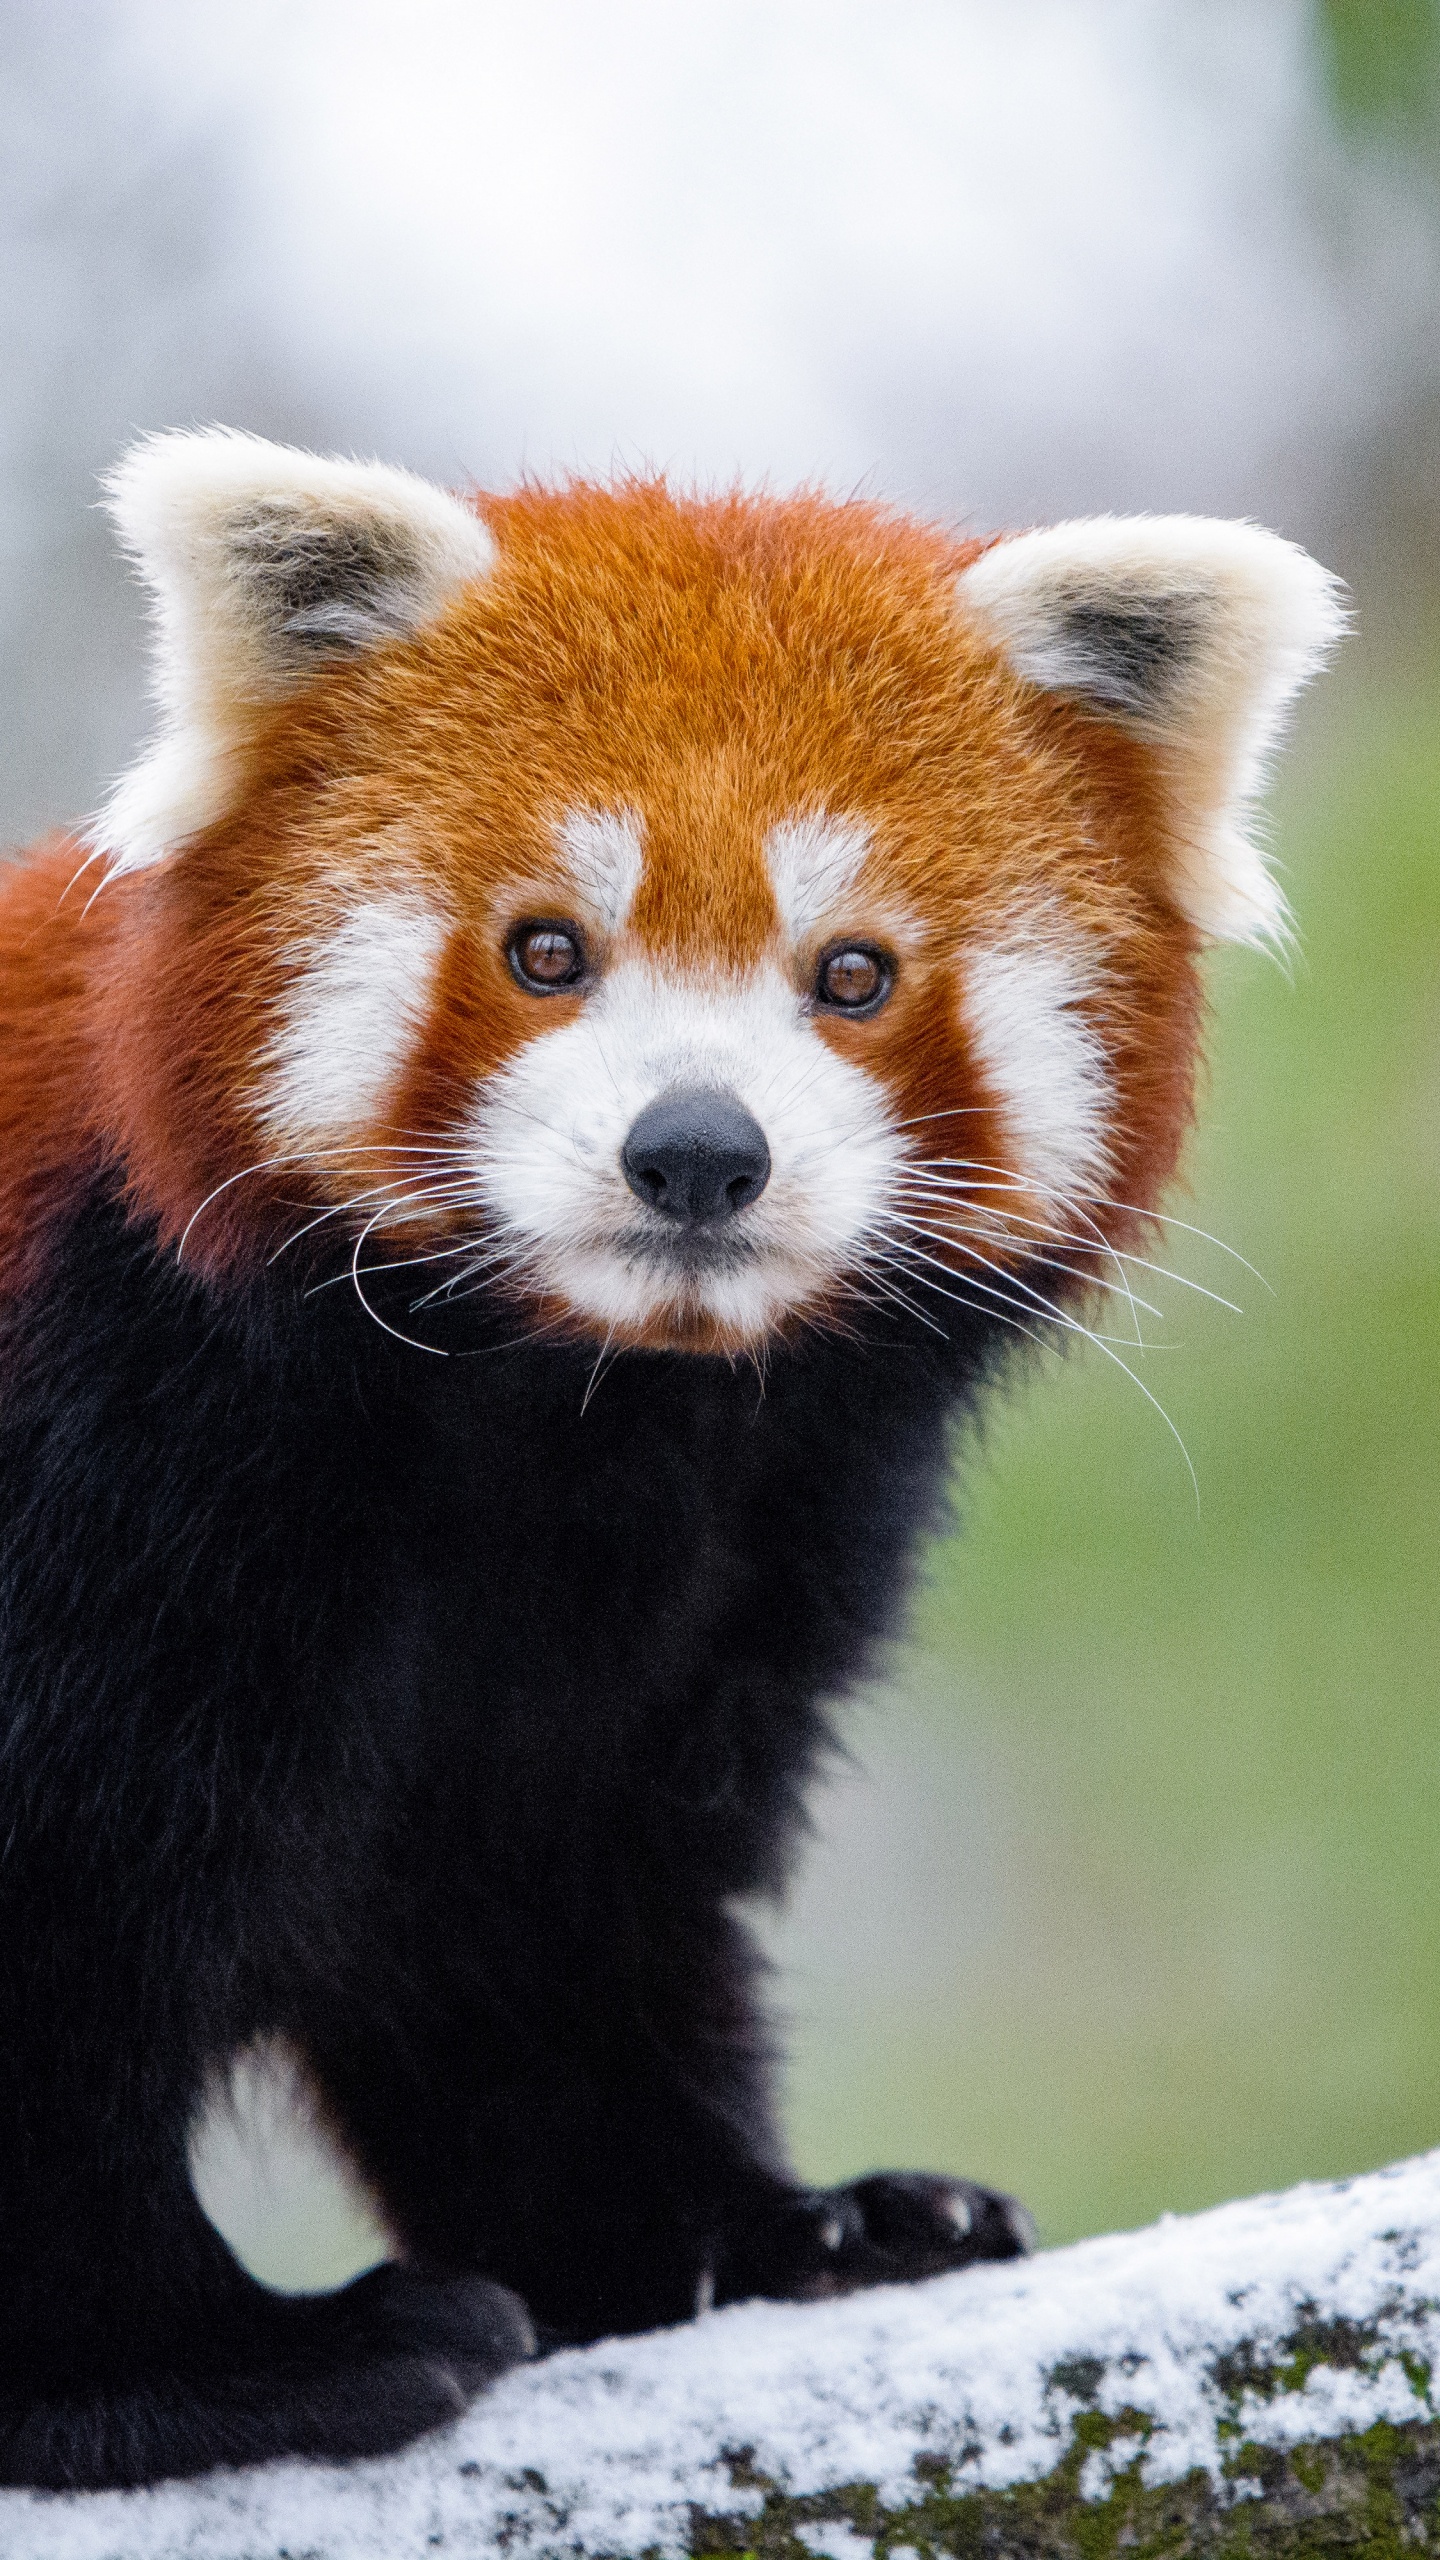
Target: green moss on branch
1376	2494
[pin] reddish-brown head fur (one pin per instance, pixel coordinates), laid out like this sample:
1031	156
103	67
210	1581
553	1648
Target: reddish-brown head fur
713	738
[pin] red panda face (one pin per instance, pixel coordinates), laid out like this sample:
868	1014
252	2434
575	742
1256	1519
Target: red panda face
682	919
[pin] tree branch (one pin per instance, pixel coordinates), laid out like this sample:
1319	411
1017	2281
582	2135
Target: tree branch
1257	2379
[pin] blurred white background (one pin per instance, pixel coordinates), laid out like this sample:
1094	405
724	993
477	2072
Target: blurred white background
999	263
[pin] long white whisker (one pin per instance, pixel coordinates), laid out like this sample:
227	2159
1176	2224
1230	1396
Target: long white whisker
1156	1217
1097	1242
898	1297
999	1295
266	1164
1011	1283
958	1111
597	1372
960	1241
408	1339
412	1198
1071	1324
497	1258
957	1297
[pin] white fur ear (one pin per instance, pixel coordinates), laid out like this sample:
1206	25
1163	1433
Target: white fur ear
1192	634
262	563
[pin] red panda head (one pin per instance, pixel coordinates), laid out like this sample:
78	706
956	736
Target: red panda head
686	917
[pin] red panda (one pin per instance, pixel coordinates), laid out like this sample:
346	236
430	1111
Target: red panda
547	1093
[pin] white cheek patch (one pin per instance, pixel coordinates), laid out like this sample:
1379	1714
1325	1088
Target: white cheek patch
351	1022
548	1131
1023	1007
814	861
605	856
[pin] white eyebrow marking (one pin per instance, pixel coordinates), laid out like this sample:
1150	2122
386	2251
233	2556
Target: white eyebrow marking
1046	1062
606	856
813	861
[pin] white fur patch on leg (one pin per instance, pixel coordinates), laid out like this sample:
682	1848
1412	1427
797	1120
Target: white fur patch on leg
351	1021
274	2182
814	861
1022	1003
604	855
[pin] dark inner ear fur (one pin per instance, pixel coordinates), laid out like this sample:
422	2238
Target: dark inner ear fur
1129	655
324	589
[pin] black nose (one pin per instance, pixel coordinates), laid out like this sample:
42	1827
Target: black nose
696	1155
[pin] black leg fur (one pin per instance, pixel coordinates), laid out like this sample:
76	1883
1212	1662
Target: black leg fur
362	2371
131	2343
389	1703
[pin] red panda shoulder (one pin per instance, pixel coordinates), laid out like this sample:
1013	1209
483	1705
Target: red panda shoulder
50	1144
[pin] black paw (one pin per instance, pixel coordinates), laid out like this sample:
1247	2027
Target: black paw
892	2228
329	2376
463	2329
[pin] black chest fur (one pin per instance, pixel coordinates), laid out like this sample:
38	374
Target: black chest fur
287	1603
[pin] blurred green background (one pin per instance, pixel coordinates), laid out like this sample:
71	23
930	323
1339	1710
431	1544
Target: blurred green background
1167	1783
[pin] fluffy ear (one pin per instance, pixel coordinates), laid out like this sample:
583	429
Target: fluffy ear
1191	634
262	564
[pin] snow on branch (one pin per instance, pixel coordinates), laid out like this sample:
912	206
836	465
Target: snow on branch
1258	2377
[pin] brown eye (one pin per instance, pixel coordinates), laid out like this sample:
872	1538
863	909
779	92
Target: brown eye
547	957
854	979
